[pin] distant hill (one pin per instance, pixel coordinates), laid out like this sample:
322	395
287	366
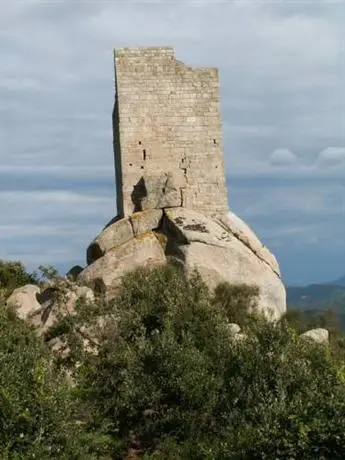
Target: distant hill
315	296
339	282
319	297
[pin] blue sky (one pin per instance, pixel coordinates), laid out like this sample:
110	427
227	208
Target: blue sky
282	70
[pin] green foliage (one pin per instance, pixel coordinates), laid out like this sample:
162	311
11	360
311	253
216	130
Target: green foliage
159	359
47	272
14	275
37	413
170	381
303	320
315	295
238	302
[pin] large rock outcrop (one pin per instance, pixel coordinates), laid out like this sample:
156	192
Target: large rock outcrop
219	254
220	249
171	186
25	301
106	272
41	307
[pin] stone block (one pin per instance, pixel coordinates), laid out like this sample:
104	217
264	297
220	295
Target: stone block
106	273
145	221
158	191
112	236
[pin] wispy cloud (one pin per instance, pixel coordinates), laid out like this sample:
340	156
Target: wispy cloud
283	108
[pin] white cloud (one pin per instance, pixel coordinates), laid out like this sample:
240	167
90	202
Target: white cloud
299	202
283	157
246	131
9	232
51	197
332	156
19	84
77	171
281	73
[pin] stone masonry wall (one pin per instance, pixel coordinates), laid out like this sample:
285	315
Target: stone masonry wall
167	119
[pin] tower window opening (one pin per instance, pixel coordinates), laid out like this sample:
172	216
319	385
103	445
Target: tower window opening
144	154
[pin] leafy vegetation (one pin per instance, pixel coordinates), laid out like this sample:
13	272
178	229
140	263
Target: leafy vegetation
14	275
317	299
316	296
169	379
38	414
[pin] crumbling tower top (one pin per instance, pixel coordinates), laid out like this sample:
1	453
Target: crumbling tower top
167	120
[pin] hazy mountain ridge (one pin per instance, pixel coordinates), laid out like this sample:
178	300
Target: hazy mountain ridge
319	297
338	282
316	296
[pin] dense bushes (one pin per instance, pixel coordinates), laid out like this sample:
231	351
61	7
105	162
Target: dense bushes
170	381
302	320
36	409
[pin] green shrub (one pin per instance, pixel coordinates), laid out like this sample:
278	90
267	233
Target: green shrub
38	414
169	379
14	275
153	379
171	382
238	302
303	320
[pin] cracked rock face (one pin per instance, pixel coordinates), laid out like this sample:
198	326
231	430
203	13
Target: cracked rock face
229	253
39	307
241	231
186	226
121	231
222	249
105	273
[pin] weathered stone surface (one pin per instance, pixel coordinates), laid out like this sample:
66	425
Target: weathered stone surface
167	118
185	225
237	264
107	272
244	233
219	256
224	249
159	190
175	165
51	302
318	335
112	236
146	221
24	300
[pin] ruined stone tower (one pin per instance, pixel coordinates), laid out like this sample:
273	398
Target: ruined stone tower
167	119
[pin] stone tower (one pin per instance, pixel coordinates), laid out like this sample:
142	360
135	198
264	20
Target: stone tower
167	120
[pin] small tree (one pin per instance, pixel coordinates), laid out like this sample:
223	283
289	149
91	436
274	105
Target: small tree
39	417
14	275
